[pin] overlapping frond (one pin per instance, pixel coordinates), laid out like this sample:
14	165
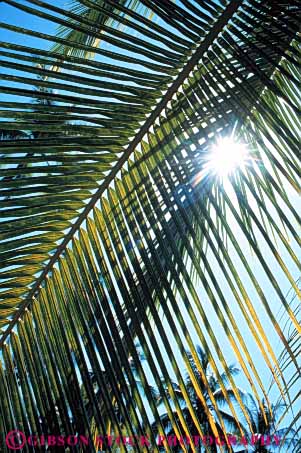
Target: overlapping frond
290	416
114	231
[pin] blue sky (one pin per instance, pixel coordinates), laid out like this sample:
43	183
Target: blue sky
14	16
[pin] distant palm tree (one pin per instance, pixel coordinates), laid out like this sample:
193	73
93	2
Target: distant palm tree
265	427
217	392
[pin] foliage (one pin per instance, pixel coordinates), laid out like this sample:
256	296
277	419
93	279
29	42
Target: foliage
199	400
116	232
267	427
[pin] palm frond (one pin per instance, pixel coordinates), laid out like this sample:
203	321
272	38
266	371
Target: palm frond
117	222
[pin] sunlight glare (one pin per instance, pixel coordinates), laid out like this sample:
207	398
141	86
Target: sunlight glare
226	156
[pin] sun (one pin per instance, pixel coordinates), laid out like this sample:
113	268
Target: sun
226	156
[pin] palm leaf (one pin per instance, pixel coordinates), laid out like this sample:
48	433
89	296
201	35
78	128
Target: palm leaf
115	221
290	414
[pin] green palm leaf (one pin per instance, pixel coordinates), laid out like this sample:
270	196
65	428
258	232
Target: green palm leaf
113	228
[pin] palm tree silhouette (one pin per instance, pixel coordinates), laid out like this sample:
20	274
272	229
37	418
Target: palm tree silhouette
215	388
266	428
